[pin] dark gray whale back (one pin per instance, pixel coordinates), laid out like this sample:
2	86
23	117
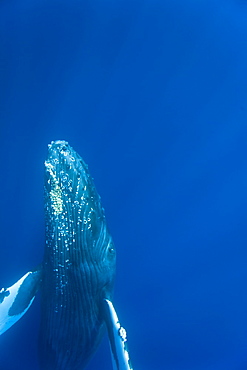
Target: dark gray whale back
78	266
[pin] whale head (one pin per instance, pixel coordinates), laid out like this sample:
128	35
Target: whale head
75	219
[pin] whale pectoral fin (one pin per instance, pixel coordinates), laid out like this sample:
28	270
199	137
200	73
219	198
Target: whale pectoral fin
16	300
118	338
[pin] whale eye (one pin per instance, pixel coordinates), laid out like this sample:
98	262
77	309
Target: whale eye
111	251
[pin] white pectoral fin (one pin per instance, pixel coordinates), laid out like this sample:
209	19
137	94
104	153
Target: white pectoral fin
16	300
118	338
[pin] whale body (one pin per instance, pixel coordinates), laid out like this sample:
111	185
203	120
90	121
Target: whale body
76	276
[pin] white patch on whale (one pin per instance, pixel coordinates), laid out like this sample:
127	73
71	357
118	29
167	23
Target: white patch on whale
11	293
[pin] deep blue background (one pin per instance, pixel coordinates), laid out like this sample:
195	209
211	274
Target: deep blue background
153	95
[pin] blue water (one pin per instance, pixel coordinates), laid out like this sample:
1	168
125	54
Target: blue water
153	95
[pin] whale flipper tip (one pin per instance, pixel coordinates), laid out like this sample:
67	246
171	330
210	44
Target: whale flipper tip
16	300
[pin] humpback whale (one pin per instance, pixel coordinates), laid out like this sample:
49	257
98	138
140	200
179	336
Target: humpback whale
76	277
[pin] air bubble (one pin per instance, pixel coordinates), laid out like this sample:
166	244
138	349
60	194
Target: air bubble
64	178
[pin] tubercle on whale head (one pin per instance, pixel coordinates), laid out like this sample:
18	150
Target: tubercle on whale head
67	179
64	166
